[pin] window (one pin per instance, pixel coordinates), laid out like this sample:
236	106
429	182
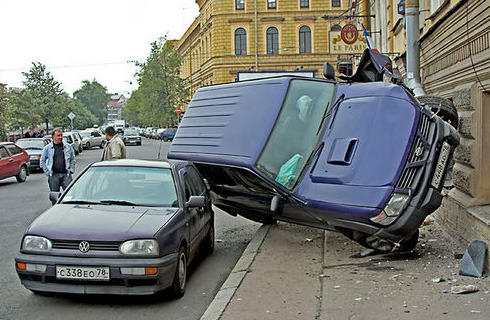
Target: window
304	3
197	183
272	41
304	40
271	4
240	42
3	153
239	4
335	3
298	128
435	4
336	27
13	149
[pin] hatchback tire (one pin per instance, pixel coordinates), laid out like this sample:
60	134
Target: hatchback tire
22	174
180	277
87	146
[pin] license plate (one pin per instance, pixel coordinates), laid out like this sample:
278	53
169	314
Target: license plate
441	164
82	273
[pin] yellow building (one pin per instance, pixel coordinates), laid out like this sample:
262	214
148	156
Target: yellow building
233	36
455	64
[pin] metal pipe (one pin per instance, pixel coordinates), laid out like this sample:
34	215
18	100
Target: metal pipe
256	41
413	46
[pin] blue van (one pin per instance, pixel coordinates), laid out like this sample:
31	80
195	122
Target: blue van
362	157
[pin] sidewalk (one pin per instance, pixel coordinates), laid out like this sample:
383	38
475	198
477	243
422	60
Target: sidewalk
295	272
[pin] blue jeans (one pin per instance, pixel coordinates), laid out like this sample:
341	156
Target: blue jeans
58	180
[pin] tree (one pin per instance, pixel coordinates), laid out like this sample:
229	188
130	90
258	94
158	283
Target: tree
94	97
160	90
42	92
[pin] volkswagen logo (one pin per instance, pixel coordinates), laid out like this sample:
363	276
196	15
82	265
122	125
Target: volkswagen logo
84	246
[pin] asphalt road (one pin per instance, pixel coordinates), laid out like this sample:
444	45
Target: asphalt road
20	203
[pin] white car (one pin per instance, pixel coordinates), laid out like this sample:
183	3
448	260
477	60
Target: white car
92	138
74	141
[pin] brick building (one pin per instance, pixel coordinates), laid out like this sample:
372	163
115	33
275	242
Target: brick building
232	36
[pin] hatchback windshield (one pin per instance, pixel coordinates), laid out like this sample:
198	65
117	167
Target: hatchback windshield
31	144
304	113
140	186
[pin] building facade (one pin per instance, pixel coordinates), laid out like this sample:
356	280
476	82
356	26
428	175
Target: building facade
233	36
115	107
455	64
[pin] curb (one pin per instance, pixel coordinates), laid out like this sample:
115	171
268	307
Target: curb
229	287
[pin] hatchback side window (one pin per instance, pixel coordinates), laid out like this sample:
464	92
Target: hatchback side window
187	187
13	149
3	153
196	181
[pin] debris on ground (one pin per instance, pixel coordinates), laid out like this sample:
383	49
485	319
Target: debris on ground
473	259
464	289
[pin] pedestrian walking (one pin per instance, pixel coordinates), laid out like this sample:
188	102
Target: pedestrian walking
114	148
58	162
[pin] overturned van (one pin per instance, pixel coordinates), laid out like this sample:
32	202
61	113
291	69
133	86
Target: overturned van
362	157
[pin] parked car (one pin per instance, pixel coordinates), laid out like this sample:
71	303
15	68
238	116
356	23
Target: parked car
363	157
122	227
168	134
131	137
92	138
74	140
34	147
14	162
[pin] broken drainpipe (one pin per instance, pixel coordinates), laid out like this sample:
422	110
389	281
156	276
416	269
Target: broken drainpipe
413	47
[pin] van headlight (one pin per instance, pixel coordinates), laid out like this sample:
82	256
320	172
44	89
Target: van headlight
395	206
144	247
36	244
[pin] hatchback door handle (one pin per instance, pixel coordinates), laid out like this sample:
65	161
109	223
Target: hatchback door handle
10	160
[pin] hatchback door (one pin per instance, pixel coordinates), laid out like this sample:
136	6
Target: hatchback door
6	163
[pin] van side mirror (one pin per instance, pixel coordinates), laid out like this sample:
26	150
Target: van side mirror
328	71
276	204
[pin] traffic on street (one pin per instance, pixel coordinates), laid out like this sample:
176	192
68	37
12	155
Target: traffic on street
22	203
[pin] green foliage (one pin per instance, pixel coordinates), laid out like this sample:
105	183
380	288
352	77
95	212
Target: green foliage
160	90
42	94
94	97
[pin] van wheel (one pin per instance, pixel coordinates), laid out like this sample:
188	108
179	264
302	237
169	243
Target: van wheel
180	277
22	174
444	108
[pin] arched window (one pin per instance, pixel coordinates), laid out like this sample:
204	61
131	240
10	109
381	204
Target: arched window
335	27
272	41
304	39
240	42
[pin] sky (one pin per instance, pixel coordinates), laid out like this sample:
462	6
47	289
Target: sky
86	39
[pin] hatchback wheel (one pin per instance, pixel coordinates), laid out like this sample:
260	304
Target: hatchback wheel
87	146
180	277
22	174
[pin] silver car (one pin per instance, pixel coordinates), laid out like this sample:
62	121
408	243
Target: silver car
92	138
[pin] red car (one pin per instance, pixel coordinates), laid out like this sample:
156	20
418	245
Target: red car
13	161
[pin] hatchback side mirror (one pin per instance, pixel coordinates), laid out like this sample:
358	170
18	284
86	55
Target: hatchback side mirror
196	202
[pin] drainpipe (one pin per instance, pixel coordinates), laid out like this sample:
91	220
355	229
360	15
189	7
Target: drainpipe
413	47
256	41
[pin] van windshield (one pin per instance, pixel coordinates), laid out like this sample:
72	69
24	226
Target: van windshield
296	131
